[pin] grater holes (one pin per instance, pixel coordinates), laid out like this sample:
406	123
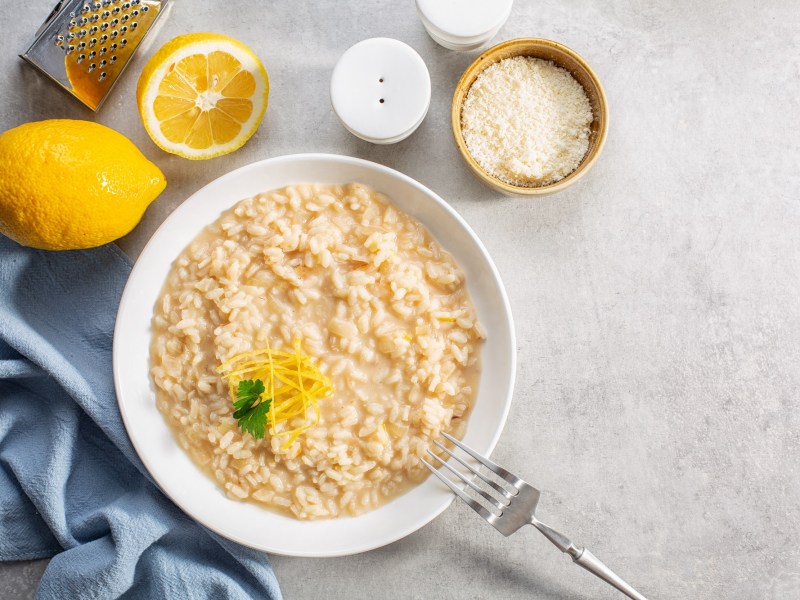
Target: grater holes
145	8
98	30
59	40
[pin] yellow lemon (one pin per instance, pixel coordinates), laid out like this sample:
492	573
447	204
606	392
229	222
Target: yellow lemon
69	184
202	95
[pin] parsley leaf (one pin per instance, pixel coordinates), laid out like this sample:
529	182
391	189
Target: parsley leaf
250	410
249	391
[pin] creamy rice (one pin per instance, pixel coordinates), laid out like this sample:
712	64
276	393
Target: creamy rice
378	305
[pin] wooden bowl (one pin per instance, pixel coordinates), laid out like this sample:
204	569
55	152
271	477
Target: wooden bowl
561	56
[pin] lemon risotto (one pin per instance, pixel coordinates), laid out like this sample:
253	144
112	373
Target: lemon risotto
376	303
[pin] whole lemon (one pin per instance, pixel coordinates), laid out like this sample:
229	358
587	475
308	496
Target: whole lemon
67	184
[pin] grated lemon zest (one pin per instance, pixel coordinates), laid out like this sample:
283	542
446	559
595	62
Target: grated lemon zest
300	385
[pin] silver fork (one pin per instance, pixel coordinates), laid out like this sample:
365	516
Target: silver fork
514	507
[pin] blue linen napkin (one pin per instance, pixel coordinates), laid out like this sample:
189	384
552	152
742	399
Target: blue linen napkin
71	484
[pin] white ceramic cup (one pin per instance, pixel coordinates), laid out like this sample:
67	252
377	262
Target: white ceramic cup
463	24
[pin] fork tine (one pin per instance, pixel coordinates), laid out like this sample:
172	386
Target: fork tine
489	498
495	468
500	489
473	504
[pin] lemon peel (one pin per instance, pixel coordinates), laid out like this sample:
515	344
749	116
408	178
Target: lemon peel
293	383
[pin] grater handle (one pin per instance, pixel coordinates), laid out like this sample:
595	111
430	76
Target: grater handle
50	17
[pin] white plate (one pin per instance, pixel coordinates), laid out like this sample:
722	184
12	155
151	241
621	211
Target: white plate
195	492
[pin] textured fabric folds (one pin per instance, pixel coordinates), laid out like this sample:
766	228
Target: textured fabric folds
71	484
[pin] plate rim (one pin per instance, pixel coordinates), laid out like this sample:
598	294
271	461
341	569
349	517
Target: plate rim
127	298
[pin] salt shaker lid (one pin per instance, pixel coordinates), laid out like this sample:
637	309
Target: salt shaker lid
463	19
381	90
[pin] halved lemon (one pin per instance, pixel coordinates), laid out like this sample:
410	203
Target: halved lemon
202	95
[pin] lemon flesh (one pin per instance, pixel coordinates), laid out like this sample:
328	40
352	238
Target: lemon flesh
202	95
67	185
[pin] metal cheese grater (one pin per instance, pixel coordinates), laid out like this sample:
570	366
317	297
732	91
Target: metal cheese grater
85	45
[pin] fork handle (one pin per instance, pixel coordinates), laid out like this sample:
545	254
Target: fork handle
594	565
585	559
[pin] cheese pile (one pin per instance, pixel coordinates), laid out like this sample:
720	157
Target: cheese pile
526	121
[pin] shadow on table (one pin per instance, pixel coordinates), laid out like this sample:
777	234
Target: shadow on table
519	581
20	579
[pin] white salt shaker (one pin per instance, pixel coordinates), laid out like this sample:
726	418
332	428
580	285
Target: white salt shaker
381	90
463	24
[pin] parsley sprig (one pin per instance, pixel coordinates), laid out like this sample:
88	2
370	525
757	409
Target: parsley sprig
250	409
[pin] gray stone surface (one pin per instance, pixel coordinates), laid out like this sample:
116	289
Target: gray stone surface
656	302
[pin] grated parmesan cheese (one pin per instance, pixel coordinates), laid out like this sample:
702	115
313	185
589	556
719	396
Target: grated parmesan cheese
526	121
